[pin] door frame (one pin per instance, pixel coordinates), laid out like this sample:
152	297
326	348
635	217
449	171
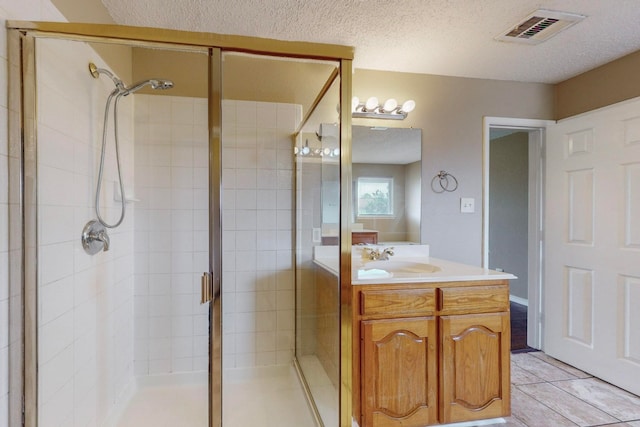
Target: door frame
536	209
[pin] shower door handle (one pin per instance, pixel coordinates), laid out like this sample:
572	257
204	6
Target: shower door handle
206	289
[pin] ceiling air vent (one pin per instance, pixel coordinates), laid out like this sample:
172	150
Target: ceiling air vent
541	25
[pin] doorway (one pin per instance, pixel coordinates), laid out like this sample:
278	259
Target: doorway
512	217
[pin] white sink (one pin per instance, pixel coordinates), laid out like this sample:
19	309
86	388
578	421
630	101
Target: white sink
397	266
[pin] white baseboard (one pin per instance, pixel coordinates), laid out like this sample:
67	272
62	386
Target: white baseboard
519	300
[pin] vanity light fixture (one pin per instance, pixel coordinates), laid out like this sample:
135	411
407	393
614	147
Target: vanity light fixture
390	109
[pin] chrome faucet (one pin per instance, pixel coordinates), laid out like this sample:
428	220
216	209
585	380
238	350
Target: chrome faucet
375	254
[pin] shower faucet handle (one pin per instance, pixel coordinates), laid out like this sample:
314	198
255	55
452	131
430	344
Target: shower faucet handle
95	238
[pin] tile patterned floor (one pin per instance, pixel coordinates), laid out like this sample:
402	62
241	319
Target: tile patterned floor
548	393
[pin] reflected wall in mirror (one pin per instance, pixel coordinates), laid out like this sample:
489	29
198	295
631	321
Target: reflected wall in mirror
387	183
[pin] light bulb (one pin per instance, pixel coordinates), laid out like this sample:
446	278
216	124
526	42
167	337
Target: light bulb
336	151
326	151
371	104
295	150
389	105
408	106
354	103
305	150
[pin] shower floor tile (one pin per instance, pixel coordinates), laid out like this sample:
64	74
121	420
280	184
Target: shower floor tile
264	397
167	406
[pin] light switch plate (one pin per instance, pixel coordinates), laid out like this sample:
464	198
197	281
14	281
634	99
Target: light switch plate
467	205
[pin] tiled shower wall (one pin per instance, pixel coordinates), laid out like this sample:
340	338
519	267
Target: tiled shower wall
171	234
258	295
85	311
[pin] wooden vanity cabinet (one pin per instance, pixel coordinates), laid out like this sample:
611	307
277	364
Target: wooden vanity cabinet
431	353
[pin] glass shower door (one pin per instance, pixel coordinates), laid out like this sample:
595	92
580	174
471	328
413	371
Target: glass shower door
124	326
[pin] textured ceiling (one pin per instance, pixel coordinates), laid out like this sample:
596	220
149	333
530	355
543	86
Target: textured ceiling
446	37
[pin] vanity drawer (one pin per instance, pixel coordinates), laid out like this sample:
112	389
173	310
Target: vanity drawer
405	302
474	299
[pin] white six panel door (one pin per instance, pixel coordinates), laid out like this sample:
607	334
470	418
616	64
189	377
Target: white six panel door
592	243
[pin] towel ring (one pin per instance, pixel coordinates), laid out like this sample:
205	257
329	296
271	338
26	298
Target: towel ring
444	181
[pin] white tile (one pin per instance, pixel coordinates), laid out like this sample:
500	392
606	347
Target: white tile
245	342
182	305
160	327
246	137
201	177
159	305
246	199
59	408
246	261
266	342
246	240
160	155
182	326
267	199
284	260
159	348
267	219
267	179
55	336
56	298
284	199
182	156
54	374
246	114
184	364
246	158
246	220
266	239
266	260
284	240
246	178
266	115
245	303
159	366
182	347
266	321
56	261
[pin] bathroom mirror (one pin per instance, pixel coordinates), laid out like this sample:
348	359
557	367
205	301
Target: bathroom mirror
387	182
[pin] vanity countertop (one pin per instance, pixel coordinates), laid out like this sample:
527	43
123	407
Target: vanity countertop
412	265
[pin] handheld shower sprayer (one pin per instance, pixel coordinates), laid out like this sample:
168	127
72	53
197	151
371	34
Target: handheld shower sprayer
115	96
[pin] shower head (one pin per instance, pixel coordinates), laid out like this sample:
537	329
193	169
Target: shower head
160	84
95	72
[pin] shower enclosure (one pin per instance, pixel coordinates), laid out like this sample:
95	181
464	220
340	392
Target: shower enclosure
203	283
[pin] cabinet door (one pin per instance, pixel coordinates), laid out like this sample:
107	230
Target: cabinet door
399	378
475	370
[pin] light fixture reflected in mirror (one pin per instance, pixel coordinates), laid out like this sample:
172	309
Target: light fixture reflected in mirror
390	109
315	152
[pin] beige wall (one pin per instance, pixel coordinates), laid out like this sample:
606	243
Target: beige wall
449	110
611	83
